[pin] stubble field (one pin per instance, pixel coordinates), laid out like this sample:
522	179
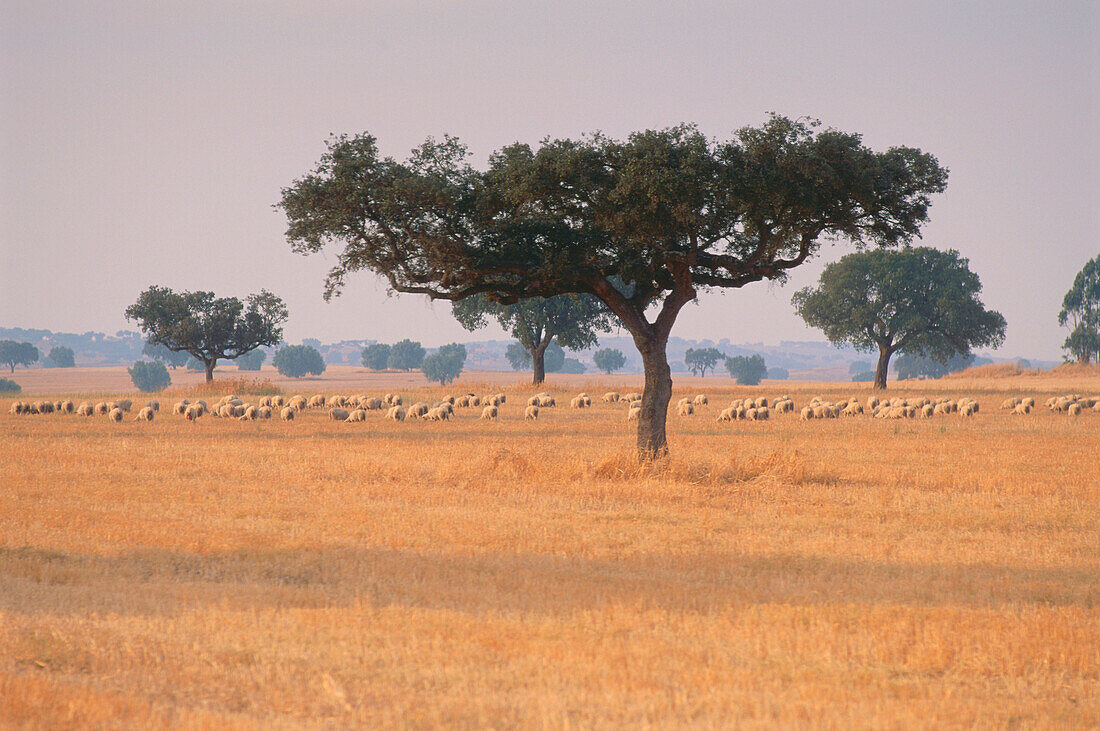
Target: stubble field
849	572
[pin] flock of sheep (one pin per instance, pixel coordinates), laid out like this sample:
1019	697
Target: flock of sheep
354	408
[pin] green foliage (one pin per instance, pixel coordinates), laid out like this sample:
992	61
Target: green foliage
861	366
376	356
643	224
13	354
572	365
863	376
9	386
172	359
778	374
209	328
918	366
609	360
518	356
406	355
445	365
60	357
295	361
253	360
748	370
919	301
1081	310
194	364
149	376
700	360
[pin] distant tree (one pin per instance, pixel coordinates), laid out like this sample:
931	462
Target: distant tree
445	365
253	360
173	360
700	360
376	356
194	364
149	375
13	354
609	360
1081	310
406	355
295	361
861	366
61	357
208	328
9	386
572	320
864	376
918	366
919	301
778	374
572	365
313	343
747	370
518	356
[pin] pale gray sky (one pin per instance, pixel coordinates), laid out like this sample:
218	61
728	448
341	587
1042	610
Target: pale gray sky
145	142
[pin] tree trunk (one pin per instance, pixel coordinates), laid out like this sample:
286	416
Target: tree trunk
538	362
210	369
652	443
884	354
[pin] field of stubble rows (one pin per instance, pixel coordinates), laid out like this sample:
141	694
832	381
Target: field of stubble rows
846	572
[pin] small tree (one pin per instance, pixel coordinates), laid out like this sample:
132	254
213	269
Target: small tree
918	366
149	376
1081	310
13	354
570	320
9	386
173	360
572	365
609	360
209	328
376	356
518	356
62	357
919	301
445	365
747	370
253	360
778	374
295	361
406	355
700	360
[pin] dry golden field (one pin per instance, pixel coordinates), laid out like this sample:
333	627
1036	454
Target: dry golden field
841	573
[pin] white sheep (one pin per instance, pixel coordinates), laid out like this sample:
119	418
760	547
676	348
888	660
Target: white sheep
611	397
264	412
1009	403
115	414
475	400
1074	409
546	401
438	414
85	409
807	414
101	408
145	414
685	409
577	402
634	412
533	401
372	404
701	400
317	401
462	401
418	410
397	413
531	413
489	412
1022	408
16	408
249	413
357	415
337	414
632	396
725	414
67	407
287	413
193	412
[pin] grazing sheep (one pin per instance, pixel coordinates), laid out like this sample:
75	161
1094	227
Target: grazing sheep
1022	408
193	412
250	413
277	402
264	412
533	401
446	406
577	402
489	412
927	411
336	414
701	400
750	413
317	401
66	407
462	401
806	414
438	414
1009	403
635	404
872	402
450	400
153	404
179	407
1029	401
357	415
1096	406
634	412
725	414
686	409
611	397
632	396
397	413
968	408
101	408
287	413
372	404
264	401
45	407
145	414
418	410
124	404
493	400
761	401
531	413
1074	409
475	400
85	409
298	403
395	399
546	401
16	408
115	414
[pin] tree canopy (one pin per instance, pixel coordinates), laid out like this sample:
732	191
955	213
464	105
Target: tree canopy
13	354
920	301
609	360
296	361
643	224
445	365
156	351
376	356
61	357
209	328
253	360
919	366
749	370
149	375
1081	310
406	355
572	319
700	360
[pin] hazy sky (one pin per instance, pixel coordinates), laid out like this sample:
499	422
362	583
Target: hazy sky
145	142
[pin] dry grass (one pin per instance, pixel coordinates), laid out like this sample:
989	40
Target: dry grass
843	573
